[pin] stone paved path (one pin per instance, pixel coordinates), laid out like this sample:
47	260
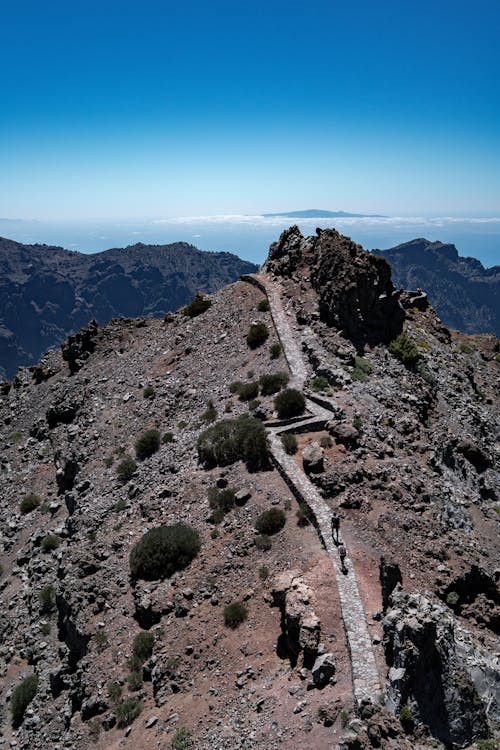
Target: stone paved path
365	677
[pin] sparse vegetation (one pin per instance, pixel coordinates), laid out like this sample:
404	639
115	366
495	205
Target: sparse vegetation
120	505
210	414
303	515
15	437
114	691
126	468
404	349
221	502
248	391
452	598
257	335
289	442
167	437
270	521
230	440
357	422
489	744
198	306
325	441
22	695
50	542
127	712
29	503
289	403
134	681
422	344
263	542
182	739
47	598
406	718
147	444
275	351
108	462
163	550
100	640
142	647
235	614
465	348
253	405
148	392
362	368
263	305
263	572
319	383
270	384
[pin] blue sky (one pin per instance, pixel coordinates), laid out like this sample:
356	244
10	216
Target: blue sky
160	109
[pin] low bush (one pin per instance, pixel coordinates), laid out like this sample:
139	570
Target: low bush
289	443
167	437
210	414
163	550
101	640
29	503
257	335
134	681
406	717
231	440
148	392
362	368
142	646
235	614
263	572
263	542
22	695
47	598
465	348
248	391
221	502
289	403
182	739
50	542
326	441
127	712
147	444
253	405
270	521
126	468
303	515
114	691
319	383
120	505
405	350
270	384
197	307
263	305
275	351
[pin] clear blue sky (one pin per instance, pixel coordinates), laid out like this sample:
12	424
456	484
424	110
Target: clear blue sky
116	109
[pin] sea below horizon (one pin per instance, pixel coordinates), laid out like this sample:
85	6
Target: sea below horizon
250	236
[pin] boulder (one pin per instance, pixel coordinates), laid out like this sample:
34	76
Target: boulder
313	459
323	670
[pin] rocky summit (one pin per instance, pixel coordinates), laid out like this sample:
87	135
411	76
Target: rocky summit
171	576
48	293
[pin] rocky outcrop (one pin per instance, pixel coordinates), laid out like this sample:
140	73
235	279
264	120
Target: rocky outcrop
428	676
390	577
300	627
313	458
354	288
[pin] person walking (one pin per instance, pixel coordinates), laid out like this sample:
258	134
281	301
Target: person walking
342	555
335	528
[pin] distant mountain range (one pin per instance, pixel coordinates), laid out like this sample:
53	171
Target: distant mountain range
313	213
465	294
48	292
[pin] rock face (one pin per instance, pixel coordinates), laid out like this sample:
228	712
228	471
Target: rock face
354	287
47	293
464	293
428	674
299	624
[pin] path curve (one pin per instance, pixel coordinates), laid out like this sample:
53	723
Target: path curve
365	677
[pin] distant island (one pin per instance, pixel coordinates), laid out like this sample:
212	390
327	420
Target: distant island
319	213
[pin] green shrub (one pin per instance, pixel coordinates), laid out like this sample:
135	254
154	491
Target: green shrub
15	437
167	437
452	598
357	422
29	503
114	691
405	350
221	502
148	392
101	640
263	305
319	383
230	440
45	628
270	521
263	542
362	368
214	534
257	335
120	505
210	414
422	344
275	351
289	403
163	550
147	444
270	384
490	744
263	572
198	306
465	348
108	462
50	542
182	739
289	443
22	695
303	515
47	598
248	391
127	712
134	681
142	646
229	407
126	468
426	374
406	716
325	441
235	614
253	405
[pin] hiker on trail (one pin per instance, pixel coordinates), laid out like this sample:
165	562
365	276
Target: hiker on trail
335	528
342	555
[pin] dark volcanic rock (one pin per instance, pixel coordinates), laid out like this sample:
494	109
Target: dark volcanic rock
464	293
47	293
354	287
